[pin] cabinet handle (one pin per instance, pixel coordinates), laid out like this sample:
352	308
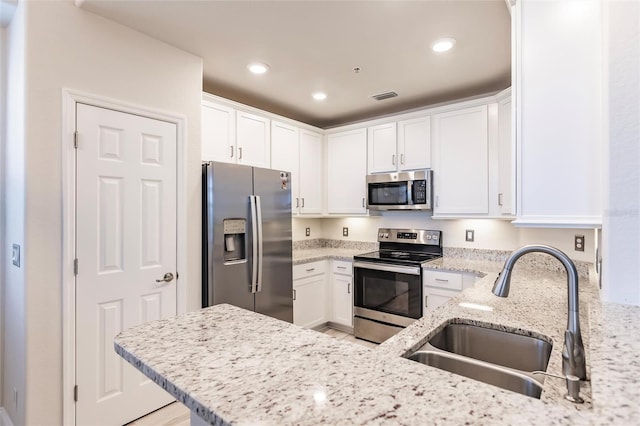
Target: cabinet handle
401	158
437	201
426	305
303	202
294	294
311	270
239	153
348	288
441	280
363	202
393	159
500	199
342	267
297	202
231	146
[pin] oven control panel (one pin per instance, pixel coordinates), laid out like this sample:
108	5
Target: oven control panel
411	236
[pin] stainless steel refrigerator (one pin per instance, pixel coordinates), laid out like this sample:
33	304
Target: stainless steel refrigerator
247	239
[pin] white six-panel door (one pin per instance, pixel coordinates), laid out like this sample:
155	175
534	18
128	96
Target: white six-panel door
126	240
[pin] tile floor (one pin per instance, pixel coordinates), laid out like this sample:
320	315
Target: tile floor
176	414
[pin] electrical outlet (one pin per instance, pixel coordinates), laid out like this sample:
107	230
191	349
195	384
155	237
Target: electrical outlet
345	231
307	232
469	235
578	243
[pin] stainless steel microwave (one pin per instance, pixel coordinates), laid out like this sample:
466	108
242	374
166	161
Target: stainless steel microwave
400	191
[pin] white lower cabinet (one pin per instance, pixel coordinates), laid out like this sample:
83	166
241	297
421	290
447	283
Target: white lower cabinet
309	294
440	286
342	293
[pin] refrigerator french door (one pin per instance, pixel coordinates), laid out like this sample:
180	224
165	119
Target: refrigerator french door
247	239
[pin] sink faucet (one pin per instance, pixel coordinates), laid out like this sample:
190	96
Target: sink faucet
573	361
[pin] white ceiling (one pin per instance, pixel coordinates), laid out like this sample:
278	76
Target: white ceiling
314	46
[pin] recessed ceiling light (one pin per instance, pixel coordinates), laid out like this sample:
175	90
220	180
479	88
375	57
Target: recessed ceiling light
319	96
443	44
258	67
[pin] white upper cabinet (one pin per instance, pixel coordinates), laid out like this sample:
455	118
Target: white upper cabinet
405	145
285	156
311	173
346	172
381	143
506	199
299	151
253	140
414	144
218	132
558	95
460	162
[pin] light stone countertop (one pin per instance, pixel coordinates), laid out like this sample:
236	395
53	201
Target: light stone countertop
324	253
229	365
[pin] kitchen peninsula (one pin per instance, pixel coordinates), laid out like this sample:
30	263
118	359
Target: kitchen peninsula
229	365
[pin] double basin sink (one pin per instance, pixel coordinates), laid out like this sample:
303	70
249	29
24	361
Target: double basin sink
496	357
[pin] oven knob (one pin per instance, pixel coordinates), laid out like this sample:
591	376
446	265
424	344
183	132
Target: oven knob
435	237
386	235
428	237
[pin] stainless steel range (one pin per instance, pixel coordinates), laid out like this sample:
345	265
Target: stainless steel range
388	282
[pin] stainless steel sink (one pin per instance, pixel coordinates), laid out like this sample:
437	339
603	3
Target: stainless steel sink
492	356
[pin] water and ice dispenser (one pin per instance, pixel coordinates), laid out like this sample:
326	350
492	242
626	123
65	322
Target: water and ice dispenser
235	232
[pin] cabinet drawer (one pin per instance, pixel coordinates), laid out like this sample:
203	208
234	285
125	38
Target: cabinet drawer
342	267
309	269
446	280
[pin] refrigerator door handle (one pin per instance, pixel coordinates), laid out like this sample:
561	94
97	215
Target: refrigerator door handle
260	243
254	240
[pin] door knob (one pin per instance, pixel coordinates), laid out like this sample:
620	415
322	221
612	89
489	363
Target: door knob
168	277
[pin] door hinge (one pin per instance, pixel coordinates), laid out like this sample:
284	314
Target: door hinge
75	139
75	266
75	393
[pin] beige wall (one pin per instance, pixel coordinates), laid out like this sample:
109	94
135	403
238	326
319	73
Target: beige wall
13	280
67	47
621	215
489	234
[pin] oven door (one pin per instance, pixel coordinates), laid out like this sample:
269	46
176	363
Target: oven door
387	293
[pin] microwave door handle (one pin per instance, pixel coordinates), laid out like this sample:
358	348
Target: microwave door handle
409	192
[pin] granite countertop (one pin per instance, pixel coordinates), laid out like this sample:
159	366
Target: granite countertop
229	365
323	253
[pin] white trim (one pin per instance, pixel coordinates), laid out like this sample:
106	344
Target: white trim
5	420
578	222
69	100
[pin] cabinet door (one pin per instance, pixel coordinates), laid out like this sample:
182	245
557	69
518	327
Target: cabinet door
559	108
346	172
285	156
460	169
342	300
506	160
414	143
311	173
434	297
218	133
253	140
309	305
381	145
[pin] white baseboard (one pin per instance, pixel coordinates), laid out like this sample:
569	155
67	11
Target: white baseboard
5	420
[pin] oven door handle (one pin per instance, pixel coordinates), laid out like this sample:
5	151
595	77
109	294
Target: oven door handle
411	270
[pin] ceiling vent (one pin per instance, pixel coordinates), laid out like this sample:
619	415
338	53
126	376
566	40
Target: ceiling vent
383	96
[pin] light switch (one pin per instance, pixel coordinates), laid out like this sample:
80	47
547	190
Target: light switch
15	255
